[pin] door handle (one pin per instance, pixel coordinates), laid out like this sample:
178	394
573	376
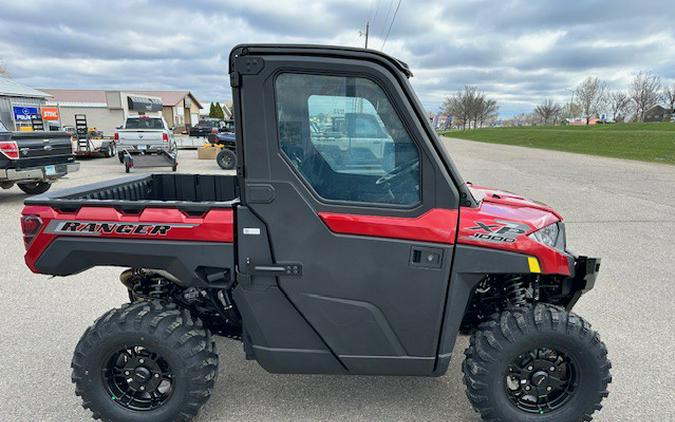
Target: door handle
270	269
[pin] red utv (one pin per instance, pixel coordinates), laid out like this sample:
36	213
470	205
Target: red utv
334	250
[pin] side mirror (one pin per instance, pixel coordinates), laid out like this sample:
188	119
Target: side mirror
172	128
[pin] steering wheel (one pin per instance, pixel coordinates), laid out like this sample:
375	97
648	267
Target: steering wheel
399	171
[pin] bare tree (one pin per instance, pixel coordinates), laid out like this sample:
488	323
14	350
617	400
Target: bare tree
619	104
591	95
470	108
644	92
548	110
669	97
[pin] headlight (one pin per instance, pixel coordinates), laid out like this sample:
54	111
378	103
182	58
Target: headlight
547	235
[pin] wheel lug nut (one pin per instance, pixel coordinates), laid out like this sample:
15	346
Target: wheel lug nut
529	368
156	375
523	381
142	388
552	368
527	388
549	388
126	372
142	361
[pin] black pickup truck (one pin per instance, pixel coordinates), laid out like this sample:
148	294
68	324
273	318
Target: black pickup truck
34	160
322	263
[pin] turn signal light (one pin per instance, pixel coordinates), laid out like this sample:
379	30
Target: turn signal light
30	226
9	149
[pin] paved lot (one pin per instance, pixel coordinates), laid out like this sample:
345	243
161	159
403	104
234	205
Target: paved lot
623	211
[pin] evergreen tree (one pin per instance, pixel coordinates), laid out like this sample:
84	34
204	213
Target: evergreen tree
212	110
219	111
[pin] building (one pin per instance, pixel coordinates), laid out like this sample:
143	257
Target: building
658	114
108	109
19	104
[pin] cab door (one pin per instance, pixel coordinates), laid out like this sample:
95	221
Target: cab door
359	211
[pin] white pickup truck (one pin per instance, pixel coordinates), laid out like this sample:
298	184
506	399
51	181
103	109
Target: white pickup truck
144	134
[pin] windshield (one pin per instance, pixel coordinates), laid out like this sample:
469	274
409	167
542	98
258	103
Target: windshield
144	123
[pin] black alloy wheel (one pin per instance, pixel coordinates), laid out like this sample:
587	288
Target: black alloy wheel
541	380
138	379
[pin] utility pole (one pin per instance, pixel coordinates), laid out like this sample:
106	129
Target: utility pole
362	33
367	28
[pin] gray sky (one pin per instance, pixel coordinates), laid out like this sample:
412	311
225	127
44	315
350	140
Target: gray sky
519	52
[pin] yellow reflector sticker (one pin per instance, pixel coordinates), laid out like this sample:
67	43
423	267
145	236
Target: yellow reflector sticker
534	264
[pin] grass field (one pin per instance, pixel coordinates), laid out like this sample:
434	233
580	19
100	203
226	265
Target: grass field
634	141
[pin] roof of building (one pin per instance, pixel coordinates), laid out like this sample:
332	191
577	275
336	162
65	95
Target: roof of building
169	98
10	87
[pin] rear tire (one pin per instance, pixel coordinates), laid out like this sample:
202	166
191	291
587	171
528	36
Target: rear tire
34	188
120	156
145	361
564	380
226	159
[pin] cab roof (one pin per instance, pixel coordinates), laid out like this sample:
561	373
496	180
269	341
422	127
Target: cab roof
319	50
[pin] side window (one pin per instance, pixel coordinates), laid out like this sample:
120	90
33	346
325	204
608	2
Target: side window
344	137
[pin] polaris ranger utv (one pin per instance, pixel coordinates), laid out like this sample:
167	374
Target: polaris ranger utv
324	257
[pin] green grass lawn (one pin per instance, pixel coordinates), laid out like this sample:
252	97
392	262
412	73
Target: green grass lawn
634	141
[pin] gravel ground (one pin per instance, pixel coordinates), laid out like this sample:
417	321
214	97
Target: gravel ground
620	210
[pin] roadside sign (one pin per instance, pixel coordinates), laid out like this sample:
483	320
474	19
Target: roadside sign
24	114
50	113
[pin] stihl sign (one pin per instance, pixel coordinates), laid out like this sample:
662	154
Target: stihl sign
50	113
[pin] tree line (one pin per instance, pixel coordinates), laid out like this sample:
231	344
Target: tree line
591	98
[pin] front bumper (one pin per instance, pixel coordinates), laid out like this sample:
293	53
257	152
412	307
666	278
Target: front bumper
37	173
585	271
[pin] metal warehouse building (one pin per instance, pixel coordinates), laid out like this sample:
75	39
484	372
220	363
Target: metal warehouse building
106	110
18	103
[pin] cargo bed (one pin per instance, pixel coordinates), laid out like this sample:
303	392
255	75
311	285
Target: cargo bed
187	192
179	224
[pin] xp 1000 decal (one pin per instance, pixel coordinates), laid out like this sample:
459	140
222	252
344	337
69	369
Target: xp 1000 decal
497	231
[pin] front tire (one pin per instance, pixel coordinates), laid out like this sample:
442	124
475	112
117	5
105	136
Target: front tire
34	188
536	364
145	361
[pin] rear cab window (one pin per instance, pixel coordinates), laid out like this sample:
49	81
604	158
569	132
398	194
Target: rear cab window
144	123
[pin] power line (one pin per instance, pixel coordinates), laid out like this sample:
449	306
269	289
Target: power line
386	17
393	18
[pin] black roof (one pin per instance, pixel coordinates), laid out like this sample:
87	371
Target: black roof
316	49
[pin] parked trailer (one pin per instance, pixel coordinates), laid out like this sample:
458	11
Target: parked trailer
88	143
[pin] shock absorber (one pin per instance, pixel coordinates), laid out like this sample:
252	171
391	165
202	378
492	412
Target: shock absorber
517	292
